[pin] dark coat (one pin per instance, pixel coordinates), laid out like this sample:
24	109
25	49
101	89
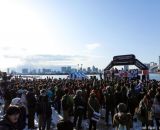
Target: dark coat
125	119
93	106
109	101
44	107
31	100
5	124
22	118
79	103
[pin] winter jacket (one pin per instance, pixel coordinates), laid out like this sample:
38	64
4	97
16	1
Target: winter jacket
67	103
109	101
79	103
143	112
31	100
5	124
156	107
124	119
44	107
22	118
93	106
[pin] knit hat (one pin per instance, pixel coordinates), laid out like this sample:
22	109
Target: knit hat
16	101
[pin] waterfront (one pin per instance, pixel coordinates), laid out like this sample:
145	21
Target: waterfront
152	76
155	76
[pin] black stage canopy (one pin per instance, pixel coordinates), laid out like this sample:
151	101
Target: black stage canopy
126	60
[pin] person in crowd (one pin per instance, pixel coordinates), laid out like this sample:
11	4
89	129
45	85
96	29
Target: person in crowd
132	100
10	120
24	100
118	95
79	104
7	98
85	97
58	97
94	100
93	106
50	94
156	108
67	105
144	110
124	95
44	111
109	104
22	118
122	120
31	104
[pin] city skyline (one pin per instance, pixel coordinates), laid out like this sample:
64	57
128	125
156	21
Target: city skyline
45	33
59	69
54	70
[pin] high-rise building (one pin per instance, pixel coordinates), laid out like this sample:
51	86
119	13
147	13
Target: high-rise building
69	69
63	69
89	70
39	71
24	71
66	69
93	68
33	71
46	71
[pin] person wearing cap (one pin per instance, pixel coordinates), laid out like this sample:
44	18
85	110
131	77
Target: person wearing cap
10	120
79	104
122	119
93	106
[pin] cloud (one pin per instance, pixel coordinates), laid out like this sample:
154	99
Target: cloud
92	46
46	60
12	57
37	58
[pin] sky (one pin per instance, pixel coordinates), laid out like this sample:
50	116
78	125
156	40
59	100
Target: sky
42	33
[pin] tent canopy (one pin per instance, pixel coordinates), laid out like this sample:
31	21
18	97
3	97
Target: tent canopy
78	75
